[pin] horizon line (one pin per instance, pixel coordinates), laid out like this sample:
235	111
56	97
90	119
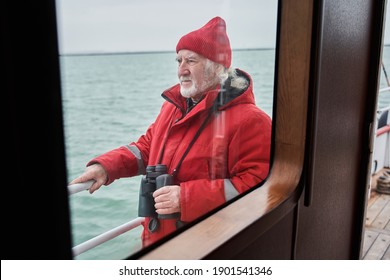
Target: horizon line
161	51
147	52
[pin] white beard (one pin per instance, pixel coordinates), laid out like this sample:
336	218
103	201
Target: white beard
210	80
197	90
189	92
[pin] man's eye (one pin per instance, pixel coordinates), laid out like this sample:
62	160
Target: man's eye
188	61
191	61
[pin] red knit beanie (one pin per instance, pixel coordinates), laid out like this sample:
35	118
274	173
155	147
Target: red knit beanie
211	41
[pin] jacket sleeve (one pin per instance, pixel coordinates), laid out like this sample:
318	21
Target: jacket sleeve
126	161
247	163
129	160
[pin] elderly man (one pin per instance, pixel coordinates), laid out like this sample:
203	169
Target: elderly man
209	133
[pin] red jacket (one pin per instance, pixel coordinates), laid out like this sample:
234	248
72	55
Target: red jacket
230	156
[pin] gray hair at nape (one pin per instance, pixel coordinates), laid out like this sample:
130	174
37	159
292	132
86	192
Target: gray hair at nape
224	73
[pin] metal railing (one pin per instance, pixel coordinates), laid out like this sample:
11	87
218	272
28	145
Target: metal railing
387	108
106	236
75	188
384	89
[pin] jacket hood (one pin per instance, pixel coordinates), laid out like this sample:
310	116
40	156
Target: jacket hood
227	97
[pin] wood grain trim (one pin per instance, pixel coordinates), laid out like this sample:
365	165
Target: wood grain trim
289	145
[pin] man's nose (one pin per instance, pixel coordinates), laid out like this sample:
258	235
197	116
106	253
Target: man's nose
183	69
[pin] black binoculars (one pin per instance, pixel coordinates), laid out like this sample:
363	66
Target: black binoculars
155	178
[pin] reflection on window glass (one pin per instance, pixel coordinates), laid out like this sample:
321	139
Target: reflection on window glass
167	113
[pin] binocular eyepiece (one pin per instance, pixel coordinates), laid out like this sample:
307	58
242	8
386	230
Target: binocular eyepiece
155	178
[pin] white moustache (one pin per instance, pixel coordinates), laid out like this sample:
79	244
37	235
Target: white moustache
185	79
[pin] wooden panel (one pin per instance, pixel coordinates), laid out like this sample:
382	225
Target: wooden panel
375	211
383	217
386	256
377	232
274	244
379	247
369	238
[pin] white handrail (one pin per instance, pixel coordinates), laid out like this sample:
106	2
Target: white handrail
75	188
384	89
108	235
93	242
380	110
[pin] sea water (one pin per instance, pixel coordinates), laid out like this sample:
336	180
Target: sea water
109	101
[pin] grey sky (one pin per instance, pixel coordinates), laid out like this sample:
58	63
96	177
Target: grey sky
90	26
148	25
